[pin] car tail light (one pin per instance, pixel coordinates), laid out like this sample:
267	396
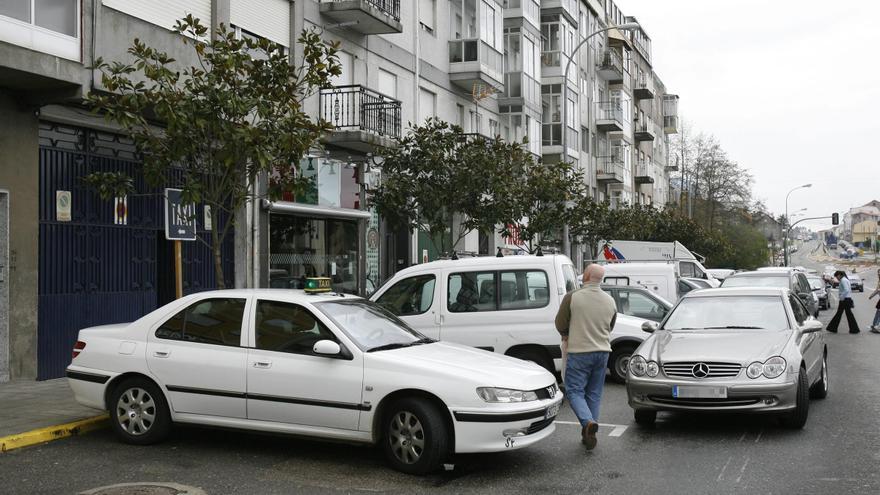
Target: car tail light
78	347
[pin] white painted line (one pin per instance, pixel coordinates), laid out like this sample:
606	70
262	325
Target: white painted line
759	436
721	474
743	470
616	430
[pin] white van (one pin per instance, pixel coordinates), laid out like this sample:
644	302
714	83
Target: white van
506	305
687	264
659	278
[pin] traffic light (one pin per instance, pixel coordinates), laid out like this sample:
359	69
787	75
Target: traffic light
835	219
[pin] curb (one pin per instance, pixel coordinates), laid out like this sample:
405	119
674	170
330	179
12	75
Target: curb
49	433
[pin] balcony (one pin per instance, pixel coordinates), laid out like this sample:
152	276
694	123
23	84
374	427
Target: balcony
644	130
520	89
365	16
473	62
644	88
610	170
670	124
643	173
362	119
609	116
670	114
610	66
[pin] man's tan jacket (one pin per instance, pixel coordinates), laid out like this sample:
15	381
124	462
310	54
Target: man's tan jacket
587	317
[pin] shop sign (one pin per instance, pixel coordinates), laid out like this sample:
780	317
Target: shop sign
180	218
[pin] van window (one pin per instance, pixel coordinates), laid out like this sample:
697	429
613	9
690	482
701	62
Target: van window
471	292
410	296
688	269
616	281
571	279
524	289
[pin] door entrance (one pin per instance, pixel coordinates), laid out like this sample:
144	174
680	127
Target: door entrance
4	286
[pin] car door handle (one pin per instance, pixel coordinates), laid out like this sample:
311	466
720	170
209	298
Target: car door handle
161	354
262	364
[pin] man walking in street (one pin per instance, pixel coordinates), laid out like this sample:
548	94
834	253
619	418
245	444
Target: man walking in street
585	320
844	303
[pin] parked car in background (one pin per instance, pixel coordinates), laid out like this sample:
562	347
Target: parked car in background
686	285
659	278
721	273
638	302
855	281
817	283
787	278
285	361
506	305
747	350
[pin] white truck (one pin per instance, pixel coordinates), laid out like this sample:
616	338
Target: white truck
687	264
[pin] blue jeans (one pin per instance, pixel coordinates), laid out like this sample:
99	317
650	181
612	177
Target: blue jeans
584	382
876	319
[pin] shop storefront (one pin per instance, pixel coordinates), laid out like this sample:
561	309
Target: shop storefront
324	233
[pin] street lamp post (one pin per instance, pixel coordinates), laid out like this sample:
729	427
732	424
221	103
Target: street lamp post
628	26
788	222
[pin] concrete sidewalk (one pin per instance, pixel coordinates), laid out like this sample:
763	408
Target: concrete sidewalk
27	405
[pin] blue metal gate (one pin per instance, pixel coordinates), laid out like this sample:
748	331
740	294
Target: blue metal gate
93	272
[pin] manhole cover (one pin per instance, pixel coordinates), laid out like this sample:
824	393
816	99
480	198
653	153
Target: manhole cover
145	489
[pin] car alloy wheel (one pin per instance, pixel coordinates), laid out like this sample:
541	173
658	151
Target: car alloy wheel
416	437
407	437
136	411
820	388
139	412
620	363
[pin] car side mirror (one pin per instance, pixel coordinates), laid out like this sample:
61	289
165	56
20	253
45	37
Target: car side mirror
326	348
650	326
812	325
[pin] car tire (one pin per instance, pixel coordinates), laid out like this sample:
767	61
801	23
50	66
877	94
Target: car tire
819	389
537	357
139	412
645	417
415	437
618	363
797	418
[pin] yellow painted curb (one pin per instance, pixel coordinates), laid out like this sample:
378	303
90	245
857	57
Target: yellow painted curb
50	433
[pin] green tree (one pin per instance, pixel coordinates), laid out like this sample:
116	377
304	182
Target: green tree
235	116
591	222
447	184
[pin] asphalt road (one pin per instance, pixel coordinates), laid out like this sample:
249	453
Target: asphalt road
837	452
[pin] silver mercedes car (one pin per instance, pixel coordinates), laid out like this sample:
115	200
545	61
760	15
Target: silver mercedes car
731	350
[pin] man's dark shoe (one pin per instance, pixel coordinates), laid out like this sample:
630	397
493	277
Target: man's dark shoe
588	435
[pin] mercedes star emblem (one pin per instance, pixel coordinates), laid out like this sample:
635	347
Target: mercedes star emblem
700	370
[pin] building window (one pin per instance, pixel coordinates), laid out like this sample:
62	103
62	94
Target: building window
428	15
551	132
427	105
585	140
551	41
37	24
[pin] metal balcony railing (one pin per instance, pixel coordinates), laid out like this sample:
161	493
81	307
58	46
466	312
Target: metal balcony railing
389	7
611	60
611	165
355	107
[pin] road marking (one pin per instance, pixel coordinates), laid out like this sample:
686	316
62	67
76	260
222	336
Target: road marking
743	470
721	474
616	430
759	436
743	436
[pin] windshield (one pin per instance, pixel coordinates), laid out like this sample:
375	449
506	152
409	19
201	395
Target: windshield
766	281
721	312
369	325
816	283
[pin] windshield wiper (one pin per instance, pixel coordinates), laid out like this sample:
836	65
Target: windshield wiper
734	327
399	345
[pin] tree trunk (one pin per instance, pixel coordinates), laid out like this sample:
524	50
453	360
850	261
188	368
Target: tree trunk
217	249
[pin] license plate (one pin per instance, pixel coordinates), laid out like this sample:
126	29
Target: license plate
552	411
698	392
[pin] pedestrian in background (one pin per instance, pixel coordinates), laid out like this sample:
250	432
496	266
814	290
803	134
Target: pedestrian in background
875	326
585	320
845	303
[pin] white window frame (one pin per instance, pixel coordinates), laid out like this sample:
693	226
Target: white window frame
29	35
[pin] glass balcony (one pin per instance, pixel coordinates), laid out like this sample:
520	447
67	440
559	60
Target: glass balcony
473	61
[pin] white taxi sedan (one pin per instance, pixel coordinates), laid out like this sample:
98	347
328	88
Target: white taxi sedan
318	365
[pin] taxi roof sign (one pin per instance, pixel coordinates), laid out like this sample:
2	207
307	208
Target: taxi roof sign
315	285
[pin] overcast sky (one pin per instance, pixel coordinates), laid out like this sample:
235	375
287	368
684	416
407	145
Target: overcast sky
790	89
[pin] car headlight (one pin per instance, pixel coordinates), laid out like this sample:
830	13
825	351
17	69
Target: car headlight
638	366
770	368
652	369
492	394
774	367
